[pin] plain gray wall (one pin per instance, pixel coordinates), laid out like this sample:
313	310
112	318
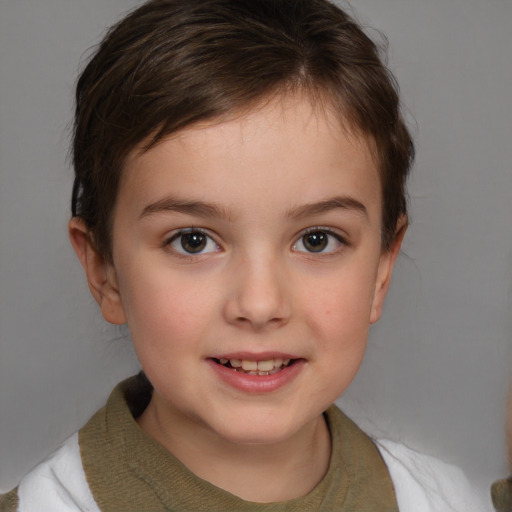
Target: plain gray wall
437	366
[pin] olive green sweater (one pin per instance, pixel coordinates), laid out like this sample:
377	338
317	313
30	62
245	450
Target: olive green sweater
128	471
501	492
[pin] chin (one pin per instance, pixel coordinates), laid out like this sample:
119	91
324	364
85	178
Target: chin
259	429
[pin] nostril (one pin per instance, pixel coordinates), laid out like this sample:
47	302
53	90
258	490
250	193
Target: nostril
260	322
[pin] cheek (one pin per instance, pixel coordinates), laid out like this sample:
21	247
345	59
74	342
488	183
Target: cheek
342	325
338	316
341	307
167	315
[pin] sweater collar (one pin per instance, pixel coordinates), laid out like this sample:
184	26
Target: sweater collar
126	469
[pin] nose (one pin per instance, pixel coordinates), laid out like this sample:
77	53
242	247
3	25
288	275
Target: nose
258	296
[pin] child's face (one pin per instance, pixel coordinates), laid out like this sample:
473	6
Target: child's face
256	239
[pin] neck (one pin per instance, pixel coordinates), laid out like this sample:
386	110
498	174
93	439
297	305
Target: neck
254	472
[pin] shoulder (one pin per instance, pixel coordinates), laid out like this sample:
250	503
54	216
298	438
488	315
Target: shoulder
57	484
426	484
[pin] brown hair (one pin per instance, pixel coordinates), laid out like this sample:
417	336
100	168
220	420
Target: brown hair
172	63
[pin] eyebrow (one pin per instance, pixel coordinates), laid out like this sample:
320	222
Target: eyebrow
204	209
197	208
342	202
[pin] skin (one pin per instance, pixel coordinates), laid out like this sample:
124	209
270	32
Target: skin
256	287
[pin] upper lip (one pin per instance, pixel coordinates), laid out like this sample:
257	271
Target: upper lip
252	356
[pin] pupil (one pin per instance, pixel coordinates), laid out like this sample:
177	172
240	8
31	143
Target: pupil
193	242
315	242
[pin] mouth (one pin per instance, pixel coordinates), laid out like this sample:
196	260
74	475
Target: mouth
254	367
257	374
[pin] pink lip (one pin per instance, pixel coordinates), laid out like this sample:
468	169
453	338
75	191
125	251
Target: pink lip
257	384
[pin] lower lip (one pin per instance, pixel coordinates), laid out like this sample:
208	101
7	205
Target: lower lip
258	383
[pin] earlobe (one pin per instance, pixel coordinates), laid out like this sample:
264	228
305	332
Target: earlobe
385	270
100	274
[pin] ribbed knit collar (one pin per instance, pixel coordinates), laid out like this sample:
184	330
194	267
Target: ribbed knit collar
127	470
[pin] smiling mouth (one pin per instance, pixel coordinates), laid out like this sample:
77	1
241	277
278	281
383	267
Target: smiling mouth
250	367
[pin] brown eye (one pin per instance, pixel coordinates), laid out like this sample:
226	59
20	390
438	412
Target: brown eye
319	240
192	241
316	241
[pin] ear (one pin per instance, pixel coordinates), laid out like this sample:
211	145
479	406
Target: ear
101	275
385	270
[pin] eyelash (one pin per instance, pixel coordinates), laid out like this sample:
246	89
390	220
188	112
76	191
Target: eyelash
179	236
342	241
208	240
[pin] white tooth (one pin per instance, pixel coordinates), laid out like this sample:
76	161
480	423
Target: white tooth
262	373
286	362
265	366
252	373
235	363
249	365
278	363
223	361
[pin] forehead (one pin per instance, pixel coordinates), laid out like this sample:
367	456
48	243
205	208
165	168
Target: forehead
288	150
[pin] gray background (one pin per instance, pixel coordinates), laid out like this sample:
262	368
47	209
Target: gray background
437	366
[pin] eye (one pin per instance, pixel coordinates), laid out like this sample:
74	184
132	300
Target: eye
192	241
318	240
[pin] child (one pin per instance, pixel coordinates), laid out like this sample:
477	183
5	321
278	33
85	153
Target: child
238	202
